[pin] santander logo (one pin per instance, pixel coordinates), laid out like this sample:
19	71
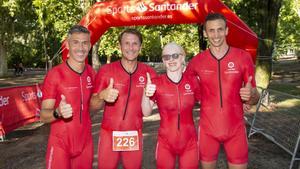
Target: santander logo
141	7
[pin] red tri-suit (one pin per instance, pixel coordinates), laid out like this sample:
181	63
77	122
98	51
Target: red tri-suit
177	135
221	114
125	114
70	141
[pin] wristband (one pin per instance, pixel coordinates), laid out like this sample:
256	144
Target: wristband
56	115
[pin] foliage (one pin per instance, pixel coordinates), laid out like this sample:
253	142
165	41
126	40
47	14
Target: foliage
33	30
288	31
154	38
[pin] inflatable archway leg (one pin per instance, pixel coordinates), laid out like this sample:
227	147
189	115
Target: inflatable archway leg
2	133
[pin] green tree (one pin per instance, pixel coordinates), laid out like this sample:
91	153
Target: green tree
262	17
288	31
17	33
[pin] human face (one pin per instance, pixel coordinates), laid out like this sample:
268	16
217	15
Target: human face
216	32
173	58
79	45
130	46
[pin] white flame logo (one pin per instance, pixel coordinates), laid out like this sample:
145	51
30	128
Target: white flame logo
230	65
141	79
141	7
187	86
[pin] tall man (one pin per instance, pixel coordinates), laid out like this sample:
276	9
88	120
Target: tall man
120	87
227	81
66	93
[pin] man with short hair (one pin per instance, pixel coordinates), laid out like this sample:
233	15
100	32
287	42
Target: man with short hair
227	81
66	93
119	86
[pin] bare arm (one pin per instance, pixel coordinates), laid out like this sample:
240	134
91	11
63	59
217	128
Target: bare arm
64	110
96	102
109	95
147	105
254	97
47	111
249	94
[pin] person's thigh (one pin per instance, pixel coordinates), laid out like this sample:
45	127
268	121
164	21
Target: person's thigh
208	147
57	158
133	159
236	148
165	159
189	158
107	159
85	159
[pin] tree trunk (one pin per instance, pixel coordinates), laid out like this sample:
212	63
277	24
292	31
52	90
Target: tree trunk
3	60
268	19
95	58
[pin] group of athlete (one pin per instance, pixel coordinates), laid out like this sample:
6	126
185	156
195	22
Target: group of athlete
220	78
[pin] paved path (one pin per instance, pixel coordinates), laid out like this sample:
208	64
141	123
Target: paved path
29	78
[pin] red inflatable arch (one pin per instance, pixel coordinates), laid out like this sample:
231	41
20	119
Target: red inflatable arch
104	15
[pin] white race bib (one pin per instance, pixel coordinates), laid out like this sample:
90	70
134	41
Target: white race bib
125	141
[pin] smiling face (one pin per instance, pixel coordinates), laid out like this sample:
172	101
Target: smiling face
130	46
173	57
79	45
216	32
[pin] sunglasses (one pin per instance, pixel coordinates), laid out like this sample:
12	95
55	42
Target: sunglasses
168	57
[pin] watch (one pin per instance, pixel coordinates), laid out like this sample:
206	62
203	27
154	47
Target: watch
56	115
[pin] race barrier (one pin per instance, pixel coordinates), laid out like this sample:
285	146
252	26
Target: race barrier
277	117
18	106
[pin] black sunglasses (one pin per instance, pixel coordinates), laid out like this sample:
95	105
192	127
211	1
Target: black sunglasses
168	57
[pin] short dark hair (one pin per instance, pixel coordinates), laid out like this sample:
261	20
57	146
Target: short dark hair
78	29
214	16
131	31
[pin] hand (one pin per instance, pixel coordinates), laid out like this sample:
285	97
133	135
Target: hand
109	94
65	109
150	88
246	91
246	107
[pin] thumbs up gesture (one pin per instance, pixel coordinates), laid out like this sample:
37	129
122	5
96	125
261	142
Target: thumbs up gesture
150	88
109	94
65	109
246	91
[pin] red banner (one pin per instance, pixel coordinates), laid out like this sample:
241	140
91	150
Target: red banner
19	106
103	15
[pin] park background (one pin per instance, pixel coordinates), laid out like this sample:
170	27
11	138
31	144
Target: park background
31	32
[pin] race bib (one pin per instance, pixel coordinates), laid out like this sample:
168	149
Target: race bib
125	141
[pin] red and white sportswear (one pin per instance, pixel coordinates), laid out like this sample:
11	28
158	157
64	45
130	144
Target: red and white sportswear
177	134
125	114
70	140
221	114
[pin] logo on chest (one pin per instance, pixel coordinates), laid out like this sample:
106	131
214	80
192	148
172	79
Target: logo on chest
187	90
89	82
231	68
141	82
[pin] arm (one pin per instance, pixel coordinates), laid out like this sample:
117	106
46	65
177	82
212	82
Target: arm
47	111
249	94
64	110
254	97
96	102
109	95
147	105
